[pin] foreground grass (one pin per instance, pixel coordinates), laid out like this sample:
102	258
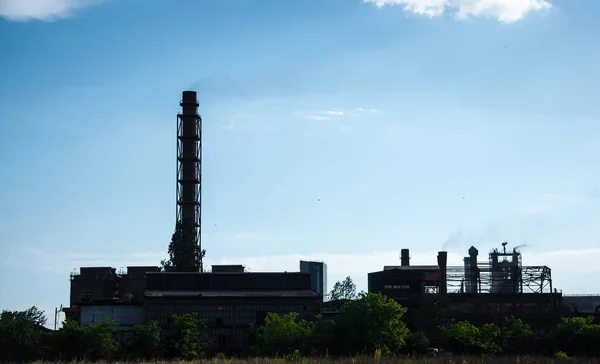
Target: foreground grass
484	359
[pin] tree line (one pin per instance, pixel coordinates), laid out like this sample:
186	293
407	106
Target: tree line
370	323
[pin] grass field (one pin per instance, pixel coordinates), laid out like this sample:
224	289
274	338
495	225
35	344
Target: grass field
392	360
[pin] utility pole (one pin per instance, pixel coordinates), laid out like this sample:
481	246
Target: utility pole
57	312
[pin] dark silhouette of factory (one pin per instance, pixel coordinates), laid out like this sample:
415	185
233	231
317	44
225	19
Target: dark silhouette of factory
494	288
230	299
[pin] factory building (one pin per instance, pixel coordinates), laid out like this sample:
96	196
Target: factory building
95	290
408	284
318	275
502	285
229	299
229	302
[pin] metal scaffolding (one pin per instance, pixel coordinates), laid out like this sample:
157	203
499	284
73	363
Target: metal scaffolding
527	279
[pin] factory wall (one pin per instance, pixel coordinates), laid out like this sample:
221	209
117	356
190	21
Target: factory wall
583	304
318	275
133	284
396	283
502	303
125	317
230	303
93	283
229	320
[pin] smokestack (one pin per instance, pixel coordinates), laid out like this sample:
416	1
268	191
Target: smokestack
404	257
473	272
189	166
442	259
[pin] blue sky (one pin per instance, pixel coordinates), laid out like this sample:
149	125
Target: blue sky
416	127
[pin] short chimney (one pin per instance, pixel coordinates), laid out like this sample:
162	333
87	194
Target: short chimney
404	257
443	264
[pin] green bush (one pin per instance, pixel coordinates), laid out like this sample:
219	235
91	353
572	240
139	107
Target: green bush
370	328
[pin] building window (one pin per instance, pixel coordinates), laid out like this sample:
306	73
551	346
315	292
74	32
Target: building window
219	321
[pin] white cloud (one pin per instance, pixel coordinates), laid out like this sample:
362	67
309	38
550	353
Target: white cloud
229	126
317	117
359	111
573	270
326	115
506	11
66	262
47	10
570	267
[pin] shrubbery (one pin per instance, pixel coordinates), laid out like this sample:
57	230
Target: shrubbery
369	325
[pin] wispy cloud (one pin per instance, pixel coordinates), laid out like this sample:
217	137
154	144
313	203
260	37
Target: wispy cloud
229	125
573	270
338	113
317	117
361	111
567	264
65	262
507	11
45	10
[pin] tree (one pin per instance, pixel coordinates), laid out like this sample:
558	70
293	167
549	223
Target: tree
371	322
146	341
517	337
184	251
99	340
416	342
344	290
20	334
323	335
69	341
577	335
187	341
32	314
490	338
461	337
284	334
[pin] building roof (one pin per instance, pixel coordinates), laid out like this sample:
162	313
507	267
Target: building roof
412	267
172	293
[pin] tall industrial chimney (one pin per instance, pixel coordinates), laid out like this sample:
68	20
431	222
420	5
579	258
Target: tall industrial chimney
189	166
404	257
443	264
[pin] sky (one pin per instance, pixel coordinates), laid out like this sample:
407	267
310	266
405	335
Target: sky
333	130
